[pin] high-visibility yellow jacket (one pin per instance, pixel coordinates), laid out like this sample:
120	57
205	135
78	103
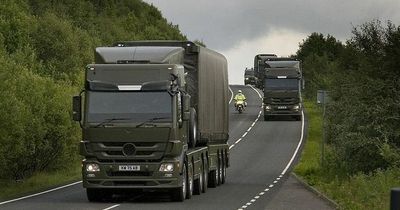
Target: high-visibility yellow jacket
239	97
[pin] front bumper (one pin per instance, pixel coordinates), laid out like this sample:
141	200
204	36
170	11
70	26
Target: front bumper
282	110
148	177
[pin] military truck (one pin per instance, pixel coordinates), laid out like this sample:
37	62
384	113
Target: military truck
259	66
154	117
249	77
282	88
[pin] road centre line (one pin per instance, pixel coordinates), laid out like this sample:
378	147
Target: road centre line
111	207
286	168
40	193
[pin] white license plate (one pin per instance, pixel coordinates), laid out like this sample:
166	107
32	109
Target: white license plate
129	168
282	107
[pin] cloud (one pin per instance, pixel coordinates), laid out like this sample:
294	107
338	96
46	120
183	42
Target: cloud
279	41
240	29
224	23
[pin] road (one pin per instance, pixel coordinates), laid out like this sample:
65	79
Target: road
261	153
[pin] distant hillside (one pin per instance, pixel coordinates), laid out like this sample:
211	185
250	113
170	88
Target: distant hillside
44	47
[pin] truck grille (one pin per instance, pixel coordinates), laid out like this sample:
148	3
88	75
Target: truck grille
283	100
110	152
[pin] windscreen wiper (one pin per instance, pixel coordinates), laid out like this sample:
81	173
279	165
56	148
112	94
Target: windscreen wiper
110	120
151	120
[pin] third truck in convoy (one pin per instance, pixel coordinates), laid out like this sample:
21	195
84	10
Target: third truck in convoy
280	80
154	118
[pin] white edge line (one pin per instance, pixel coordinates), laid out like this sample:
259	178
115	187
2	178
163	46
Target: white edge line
111	207
256	91
41	193
230	100
298	145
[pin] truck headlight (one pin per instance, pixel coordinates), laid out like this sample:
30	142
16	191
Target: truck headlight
296	107
167	167
247	78
267	107
92	167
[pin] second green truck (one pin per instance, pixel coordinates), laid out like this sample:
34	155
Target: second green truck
154	116
280	79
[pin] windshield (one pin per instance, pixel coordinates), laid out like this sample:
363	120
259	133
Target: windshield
281	84
129	106
249	73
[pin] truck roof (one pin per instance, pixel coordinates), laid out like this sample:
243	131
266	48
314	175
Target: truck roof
282	72
150	54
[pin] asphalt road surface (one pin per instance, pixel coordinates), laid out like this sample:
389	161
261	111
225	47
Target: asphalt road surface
261	153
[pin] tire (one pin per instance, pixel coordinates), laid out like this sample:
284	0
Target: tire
190	182
179	194
192	128
214	177
205	175
298	117
223	177
198	183
219	169
266	118
98	195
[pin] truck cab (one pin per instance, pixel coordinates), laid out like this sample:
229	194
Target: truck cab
282	88
249	77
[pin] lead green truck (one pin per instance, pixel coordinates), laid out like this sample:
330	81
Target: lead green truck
154	117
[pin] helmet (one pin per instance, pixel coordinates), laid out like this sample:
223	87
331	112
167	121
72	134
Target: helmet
239	91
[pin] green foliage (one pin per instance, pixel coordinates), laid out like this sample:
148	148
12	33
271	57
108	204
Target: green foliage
363	79
44	47
318	55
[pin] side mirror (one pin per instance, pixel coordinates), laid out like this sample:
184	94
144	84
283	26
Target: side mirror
186	102
186	107
77	108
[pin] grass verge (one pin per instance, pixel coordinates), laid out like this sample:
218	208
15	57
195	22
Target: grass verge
361	191
38	182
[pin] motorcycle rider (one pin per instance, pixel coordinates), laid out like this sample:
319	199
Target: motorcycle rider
240	97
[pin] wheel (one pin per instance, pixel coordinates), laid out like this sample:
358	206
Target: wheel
298	117
205	174
179	194
192	128
190	182
198	183
266	118
98	195
214	176
219	170
223	177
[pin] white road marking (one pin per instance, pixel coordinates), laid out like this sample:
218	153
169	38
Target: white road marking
298	145
111	207
231	95
256	91
41	193
288	165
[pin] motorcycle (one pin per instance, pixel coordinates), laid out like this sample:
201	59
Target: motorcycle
240	106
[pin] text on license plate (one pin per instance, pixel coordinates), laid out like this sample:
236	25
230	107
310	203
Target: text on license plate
129	168
282	107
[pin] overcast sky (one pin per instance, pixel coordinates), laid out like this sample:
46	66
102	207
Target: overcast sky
240	29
